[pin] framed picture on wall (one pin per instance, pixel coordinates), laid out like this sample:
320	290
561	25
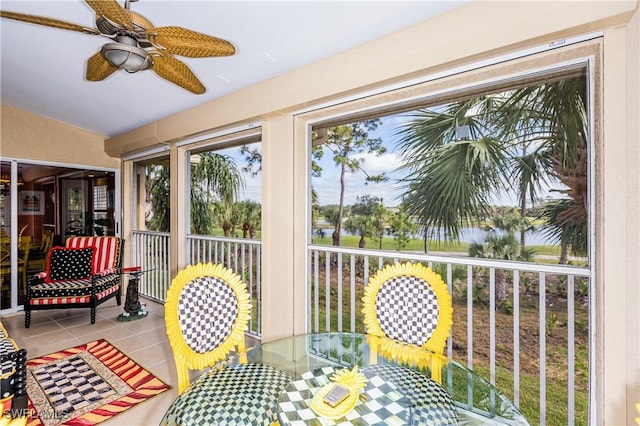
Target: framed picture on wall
31	202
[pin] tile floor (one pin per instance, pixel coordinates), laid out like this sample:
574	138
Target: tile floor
143	340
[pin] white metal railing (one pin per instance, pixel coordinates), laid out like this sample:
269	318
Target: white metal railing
512	303
501	309
150	251
241	255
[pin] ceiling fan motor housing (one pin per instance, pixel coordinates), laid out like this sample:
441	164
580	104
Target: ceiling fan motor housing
126	54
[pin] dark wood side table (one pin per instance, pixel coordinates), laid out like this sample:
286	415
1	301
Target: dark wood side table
133	309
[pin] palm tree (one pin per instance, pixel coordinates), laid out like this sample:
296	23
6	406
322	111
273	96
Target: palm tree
222	214
555	115
331	216
379	220
219	177
346	143
157	195
368	218
450	177
501	242
462	156
559	226
250	211
214	178
359	225
202	215
402	228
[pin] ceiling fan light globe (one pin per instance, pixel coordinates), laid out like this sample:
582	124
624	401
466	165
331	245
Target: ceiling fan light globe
129	58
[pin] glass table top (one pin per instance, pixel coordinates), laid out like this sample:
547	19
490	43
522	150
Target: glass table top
396	392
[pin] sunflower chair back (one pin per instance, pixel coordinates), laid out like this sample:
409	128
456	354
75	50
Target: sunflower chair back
407	308
206	314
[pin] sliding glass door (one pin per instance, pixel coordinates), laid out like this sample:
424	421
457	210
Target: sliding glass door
40	206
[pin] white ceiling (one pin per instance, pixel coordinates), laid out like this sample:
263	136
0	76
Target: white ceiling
42	68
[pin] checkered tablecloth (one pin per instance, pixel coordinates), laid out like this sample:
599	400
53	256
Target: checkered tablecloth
430	402
379	403
239	395
393	396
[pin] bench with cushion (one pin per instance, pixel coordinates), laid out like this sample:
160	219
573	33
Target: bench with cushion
84	273
13	376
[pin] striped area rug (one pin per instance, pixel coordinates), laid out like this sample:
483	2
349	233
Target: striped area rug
86	385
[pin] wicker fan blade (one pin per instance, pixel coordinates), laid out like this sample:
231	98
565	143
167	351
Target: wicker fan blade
177	72
48	22
98	68
192	44
111	10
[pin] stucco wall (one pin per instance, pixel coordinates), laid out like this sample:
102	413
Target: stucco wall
25	135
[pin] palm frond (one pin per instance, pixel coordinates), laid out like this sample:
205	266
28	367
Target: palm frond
454	184
565	222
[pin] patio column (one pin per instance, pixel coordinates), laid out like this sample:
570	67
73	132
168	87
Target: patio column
278	285
180	199
617	252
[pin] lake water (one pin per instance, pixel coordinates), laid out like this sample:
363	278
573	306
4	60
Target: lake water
477	235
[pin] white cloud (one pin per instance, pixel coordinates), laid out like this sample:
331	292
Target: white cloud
328	185
384	163
328	189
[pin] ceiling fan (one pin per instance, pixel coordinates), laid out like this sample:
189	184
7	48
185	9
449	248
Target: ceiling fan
138	45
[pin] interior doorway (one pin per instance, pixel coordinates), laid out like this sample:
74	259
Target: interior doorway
41	205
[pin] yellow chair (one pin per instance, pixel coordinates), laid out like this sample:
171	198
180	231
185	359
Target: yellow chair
5	261
407	309
38	254
24	242
206	314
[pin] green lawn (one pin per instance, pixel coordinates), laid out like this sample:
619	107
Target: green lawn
556	397
390	244
417	245
414	245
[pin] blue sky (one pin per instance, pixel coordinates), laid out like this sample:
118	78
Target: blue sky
253	184
328	185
